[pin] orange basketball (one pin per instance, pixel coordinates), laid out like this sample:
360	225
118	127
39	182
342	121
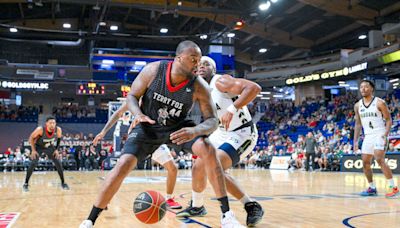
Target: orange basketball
149	207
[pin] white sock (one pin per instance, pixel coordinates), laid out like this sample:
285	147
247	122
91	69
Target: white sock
391	183
372	185
169	196
197	198
245	199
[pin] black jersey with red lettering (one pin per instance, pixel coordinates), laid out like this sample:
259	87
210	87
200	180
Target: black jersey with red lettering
166	104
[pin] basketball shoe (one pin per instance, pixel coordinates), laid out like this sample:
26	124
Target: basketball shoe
254	213
86	224
369	192
229	221
393	192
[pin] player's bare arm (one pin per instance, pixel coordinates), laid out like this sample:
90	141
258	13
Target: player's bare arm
383	108
111	122
138	89
357	127
32	141
59	136
208	110
247	90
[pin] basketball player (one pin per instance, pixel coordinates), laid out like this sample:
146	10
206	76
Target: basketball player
162	155
235	138
373	115
168	90
45	140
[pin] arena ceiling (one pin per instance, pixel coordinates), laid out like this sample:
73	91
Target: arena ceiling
288	29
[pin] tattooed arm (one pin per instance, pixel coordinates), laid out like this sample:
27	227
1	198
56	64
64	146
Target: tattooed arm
208	111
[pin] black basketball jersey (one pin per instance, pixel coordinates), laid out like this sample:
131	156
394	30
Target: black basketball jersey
47	140
165	104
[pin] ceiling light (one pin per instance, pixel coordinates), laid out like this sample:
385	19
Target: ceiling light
239	23
274	1
278	95
67	25
264	6
179	3
163	30
342	82
259	95
140	63
265	98
394	80
262	50
113	27
265	92
108	62
203	37
102	23
362	37
13	30
385	69
230	35
395	84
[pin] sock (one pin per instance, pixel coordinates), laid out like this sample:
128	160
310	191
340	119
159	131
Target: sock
391	183
94	214
245	199
372	185
224	204
169	196
197	199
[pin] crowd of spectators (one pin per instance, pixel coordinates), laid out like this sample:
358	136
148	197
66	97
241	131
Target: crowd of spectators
18	113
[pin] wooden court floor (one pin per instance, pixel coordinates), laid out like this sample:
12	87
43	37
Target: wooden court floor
290	199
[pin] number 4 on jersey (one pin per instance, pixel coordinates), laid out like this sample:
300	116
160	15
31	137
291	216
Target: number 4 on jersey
175	113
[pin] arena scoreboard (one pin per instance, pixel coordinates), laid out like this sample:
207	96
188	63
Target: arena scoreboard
125	90
90	88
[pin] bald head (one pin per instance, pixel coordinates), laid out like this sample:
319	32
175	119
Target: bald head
185	45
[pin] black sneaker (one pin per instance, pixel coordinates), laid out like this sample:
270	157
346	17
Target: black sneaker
65	186
191	211
254	213
25	187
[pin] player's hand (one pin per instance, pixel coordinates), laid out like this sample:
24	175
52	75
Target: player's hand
141	118
226	119
98	137
133	125
385	139
183	135
34	154
55	154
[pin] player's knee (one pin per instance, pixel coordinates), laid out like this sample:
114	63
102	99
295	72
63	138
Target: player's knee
125	164
171	168
380	161
204	149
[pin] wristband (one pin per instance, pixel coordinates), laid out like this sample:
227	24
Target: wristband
232	109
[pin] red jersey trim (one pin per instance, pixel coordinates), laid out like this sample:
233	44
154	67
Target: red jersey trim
52	134
171	88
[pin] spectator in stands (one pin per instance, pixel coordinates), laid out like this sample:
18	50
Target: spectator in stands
323	160
91	155
310	147
102	157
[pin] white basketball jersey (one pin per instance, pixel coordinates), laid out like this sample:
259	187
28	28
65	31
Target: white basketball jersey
223	100
371	118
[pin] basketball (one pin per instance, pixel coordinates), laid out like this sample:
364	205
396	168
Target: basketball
149	207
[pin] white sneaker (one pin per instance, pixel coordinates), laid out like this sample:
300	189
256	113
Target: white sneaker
86	224
229	221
